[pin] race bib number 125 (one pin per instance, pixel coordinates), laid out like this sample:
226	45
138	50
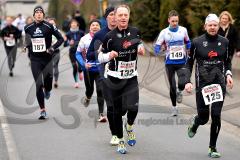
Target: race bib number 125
212	93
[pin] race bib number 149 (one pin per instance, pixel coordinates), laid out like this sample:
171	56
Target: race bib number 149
176	52
212	93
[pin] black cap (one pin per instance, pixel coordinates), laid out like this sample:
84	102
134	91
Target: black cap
38	8
77	11
108	10
95	20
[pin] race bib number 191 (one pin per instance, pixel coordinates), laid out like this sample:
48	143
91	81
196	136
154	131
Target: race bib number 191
38	44
212	93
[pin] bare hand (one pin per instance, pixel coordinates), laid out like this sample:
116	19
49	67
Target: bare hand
163	48
6	38
229	81
238	54
24	49
88	65
141	50
189	87
113	54
71	43
65	38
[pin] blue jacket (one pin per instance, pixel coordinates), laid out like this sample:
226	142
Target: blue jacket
92	55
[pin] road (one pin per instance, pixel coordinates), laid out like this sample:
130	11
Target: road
72	133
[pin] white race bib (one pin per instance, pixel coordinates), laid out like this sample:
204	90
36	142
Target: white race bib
125	70
212	93
10	42
176	52
38	44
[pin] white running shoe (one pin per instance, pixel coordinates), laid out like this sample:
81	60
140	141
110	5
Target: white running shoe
114	140
174	111
102	118
76	85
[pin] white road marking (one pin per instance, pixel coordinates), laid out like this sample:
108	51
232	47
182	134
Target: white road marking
10	143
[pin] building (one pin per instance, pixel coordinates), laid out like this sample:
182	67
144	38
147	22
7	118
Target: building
25	7
114	2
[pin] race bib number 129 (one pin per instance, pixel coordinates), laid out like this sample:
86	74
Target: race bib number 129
212	93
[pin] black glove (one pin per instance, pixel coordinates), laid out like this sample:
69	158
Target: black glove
50	50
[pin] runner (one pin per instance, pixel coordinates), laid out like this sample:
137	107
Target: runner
56	55
174	39
27	40
10	34
122	45
72	38
90	68
213	68
41	55
92	53
229	31
20	22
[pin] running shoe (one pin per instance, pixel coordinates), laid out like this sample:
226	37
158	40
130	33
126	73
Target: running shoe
213	153
76	85
179	96
86	102
191	133
131	136
80	76
122	147
11	74
174	111
55	85
47	94
114	141
43	115
102	118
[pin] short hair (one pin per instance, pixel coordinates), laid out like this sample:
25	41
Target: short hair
173	13
122	6
227	14
52	19
74	20
95	20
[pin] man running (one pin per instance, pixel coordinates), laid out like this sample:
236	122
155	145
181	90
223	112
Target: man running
41	54
10	34
213	69
56	55
174	39
122	45
92	54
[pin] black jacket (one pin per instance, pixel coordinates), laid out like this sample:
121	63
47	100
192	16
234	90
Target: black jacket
42	30
233	37
125	42
212	60
6	31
